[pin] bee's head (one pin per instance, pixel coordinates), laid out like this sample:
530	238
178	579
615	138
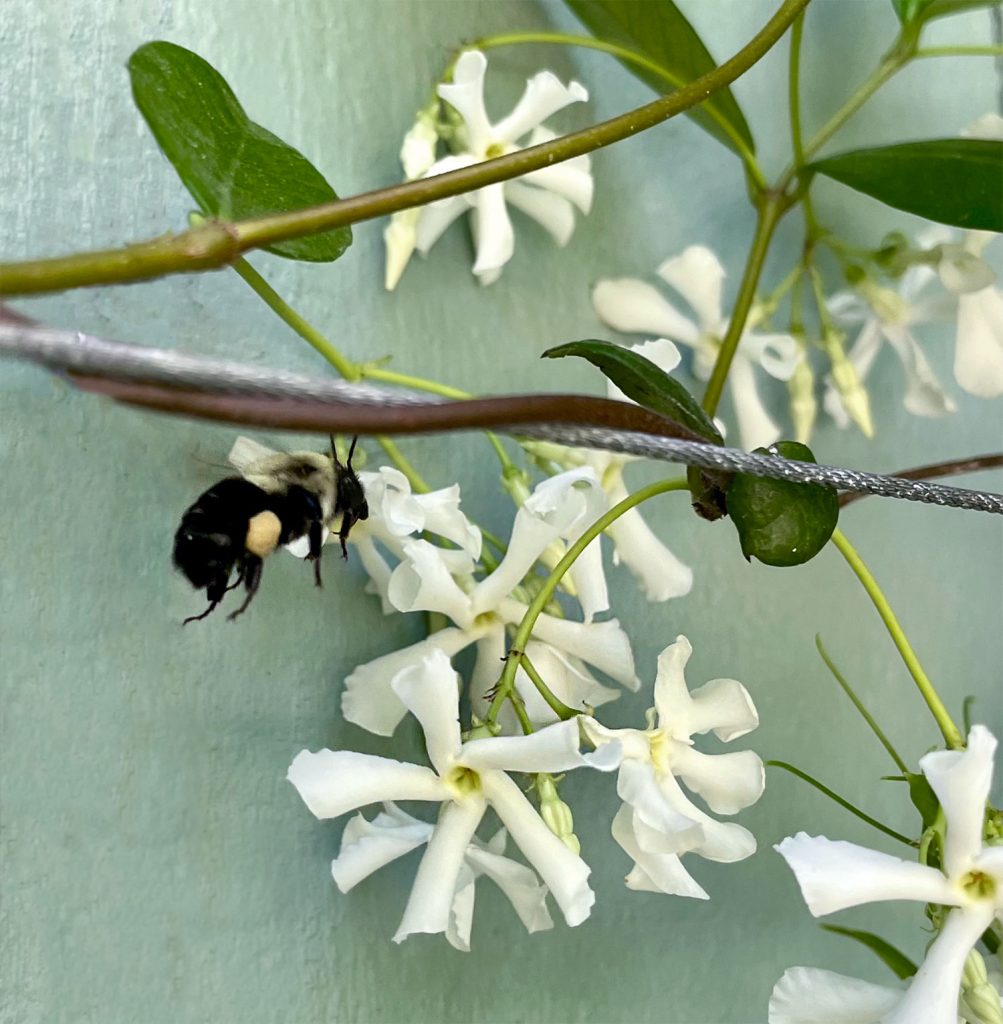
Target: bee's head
351	496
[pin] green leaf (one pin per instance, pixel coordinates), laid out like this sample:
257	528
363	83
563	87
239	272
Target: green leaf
926	10
954	181
658	31
923	797
898	963
233	167
643	382
779	522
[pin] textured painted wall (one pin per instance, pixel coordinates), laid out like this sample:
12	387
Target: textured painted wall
155	864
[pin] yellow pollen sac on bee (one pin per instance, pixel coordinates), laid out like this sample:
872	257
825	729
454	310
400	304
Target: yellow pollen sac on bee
463	781
263	532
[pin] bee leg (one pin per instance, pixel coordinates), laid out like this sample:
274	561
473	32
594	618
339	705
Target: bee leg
251	571
236	583
347	522
199	618
316	548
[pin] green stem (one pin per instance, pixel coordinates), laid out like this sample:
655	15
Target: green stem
926	688
842	802
345	367
794	89
770	210
368	371
959	51
519	707
554	702
217	244
639	60
525	629
858	704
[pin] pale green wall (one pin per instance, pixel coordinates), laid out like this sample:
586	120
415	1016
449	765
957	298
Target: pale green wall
156	866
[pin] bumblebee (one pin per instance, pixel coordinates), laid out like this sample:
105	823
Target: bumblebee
240	521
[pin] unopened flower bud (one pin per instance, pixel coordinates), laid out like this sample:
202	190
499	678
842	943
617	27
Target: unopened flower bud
557	814
804	408
982	1005
974	972
847	382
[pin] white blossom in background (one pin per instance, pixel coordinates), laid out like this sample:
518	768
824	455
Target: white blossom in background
367	846
634	306
417	155
466	779
659	573
548	195
558	509
658	822
886	315
395	515
834	875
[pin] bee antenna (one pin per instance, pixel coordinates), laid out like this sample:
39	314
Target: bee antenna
351	451
334	451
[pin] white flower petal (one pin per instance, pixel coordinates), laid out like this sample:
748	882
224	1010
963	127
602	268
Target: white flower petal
924	396
333	782
430	691
461	910
672	697
848	308
393	510
961	780
572	183
368	699
552	212
809	995
376	567
978	354
727	782
544	96
520	885
933	991
487	667
603	645
633	306
431	900
696	273
777	354
434	220
563	872
568	680
423	582
465	94
962	271
493	234
552	749
988	126
724	706
660	574
400	238
653	872
636	785
756	427
442	516
834	875
723	841
368	846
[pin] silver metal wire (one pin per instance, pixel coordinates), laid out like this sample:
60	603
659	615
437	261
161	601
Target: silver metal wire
84	353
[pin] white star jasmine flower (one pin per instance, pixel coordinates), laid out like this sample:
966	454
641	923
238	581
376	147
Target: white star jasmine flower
634	306
658	822
367	846
548	195
426	580
889	316
836	875
466	778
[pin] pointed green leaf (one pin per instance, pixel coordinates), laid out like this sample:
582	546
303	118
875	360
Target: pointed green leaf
954	181
898	963
233	167
657	31
923	797
779	522
643	382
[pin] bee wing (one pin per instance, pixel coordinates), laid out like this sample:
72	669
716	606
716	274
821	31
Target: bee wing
246	452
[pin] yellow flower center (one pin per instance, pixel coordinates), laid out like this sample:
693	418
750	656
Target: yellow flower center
978	885
463	782
496	149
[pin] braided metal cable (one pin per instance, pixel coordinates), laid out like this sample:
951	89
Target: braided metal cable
63	350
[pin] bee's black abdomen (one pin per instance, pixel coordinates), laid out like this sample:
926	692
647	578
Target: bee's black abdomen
210	540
